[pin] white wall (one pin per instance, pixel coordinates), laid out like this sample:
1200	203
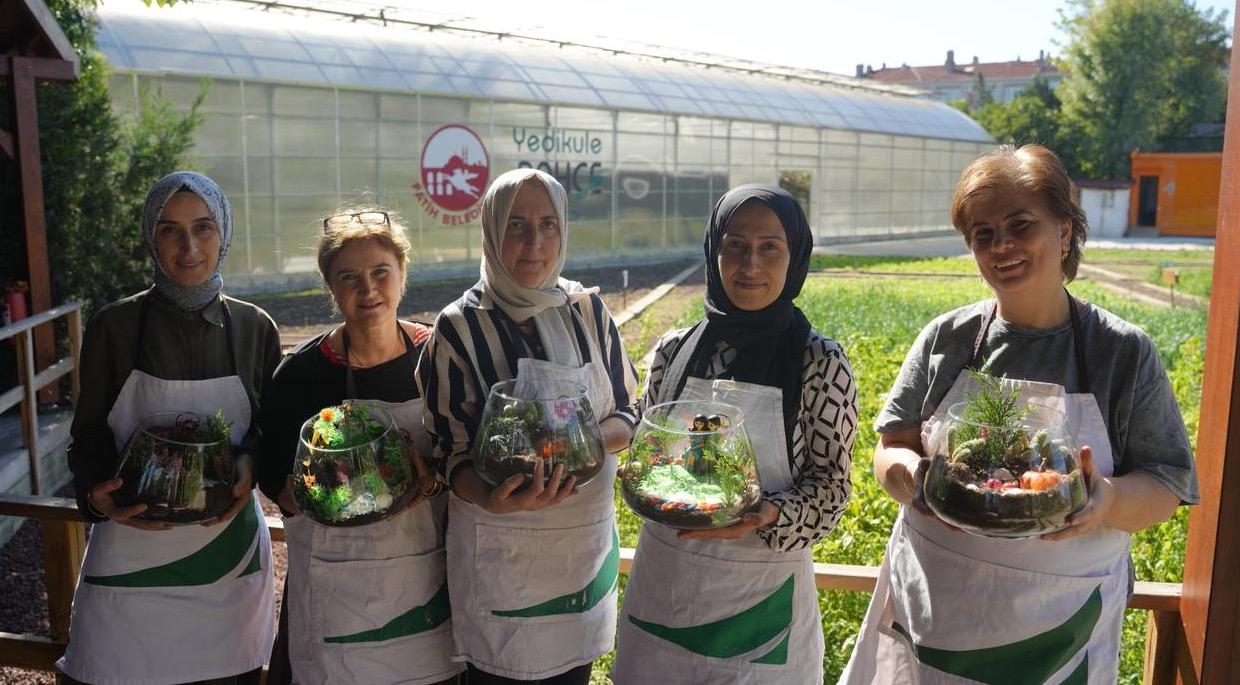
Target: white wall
1107	211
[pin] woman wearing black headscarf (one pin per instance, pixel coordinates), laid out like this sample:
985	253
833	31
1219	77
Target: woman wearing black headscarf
738	604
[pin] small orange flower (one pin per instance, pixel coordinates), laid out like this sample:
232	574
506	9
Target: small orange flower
328	414
308	480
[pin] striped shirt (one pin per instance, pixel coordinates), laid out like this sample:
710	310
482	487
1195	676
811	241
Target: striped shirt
475	345
822	439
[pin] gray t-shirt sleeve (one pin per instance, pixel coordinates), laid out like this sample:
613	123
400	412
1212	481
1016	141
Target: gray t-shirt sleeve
1150	427
941	352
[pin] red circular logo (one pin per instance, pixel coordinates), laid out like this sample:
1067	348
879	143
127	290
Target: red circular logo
455	168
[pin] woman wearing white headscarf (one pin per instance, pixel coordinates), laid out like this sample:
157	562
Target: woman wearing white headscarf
512	553
194	604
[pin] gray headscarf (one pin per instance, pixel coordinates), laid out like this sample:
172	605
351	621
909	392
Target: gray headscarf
194	297
546	302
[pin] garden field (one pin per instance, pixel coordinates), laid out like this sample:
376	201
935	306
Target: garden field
876	320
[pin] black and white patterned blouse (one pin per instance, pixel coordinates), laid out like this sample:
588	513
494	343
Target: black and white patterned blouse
822	440
475	345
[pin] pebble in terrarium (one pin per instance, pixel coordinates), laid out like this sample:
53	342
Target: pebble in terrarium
352	466
180	464
691	466
1002	469
553	422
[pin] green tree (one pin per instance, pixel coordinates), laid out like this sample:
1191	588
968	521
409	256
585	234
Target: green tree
1031	117
1137	70
97	167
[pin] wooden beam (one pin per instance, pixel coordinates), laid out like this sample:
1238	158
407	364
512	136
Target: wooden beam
49	29
1211	599
30	651
30	182
45	69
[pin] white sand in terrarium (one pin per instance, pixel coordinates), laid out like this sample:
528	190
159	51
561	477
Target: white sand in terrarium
674	483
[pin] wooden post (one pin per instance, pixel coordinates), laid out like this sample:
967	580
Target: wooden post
25	126
1160	640
29	406
74	320
64	546
1211	600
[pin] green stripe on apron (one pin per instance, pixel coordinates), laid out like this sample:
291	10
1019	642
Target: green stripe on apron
417	620
206	566
777	656
1040	656
583	600
737	634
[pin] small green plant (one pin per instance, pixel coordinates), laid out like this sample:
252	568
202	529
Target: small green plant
993	433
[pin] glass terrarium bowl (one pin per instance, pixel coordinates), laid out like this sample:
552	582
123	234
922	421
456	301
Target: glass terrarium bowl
1017	480
558	427
691	466
352	467
180	464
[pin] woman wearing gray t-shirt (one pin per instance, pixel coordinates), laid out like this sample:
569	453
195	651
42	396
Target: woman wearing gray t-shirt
951	607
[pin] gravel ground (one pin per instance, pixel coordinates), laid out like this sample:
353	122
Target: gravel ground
23	595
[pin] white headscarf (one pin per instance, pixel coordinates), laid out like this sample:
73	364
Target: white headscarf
546	303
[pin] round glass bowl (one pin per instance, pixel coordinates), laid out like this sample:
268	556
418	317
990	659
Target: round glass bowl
180	464
1019	479
557	425
691	466
352	467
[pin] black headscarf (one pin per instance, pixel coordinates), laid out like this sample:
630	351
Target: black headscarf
770	342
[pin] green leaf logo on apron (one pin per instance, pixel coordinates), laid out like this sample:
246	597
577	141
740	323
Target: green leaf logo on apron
737	634
208	565
417	620
1040	656
583	600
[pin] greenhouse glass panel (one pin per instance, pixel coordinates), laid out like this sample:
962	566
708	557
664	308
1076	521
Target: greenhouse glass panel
873	179
597	120
305	176
642	123
514	114
359	138
219	134
436	111
295	136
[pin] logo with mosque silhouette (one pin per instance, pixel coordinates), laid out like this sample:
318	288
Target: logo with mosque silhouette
455	171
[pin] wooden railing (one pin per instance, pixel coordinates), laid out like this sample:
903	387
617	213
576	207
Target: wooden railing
63	546
29	382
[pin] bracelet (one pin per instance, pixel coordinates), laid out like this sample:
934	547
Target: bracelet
90	507
435	489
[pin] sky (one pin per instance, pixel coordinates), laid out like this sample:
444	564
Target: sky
828	35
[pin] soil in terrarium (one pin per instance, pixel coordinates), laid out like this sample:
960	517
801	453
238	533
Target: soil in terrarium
355	471
997	479
709	484
179	480
514	439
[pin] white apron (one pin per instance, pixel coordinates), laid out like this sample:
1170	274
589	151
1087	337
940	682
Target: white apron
369	604
193	603
951	607
723	611
534	592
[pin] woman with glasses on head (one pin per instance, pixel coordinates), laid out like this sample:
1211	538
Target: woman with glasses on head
155	604
393	569
534	567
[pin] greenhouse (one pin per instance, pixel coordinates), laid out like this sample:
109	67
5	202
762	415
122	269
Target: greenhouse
312	107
